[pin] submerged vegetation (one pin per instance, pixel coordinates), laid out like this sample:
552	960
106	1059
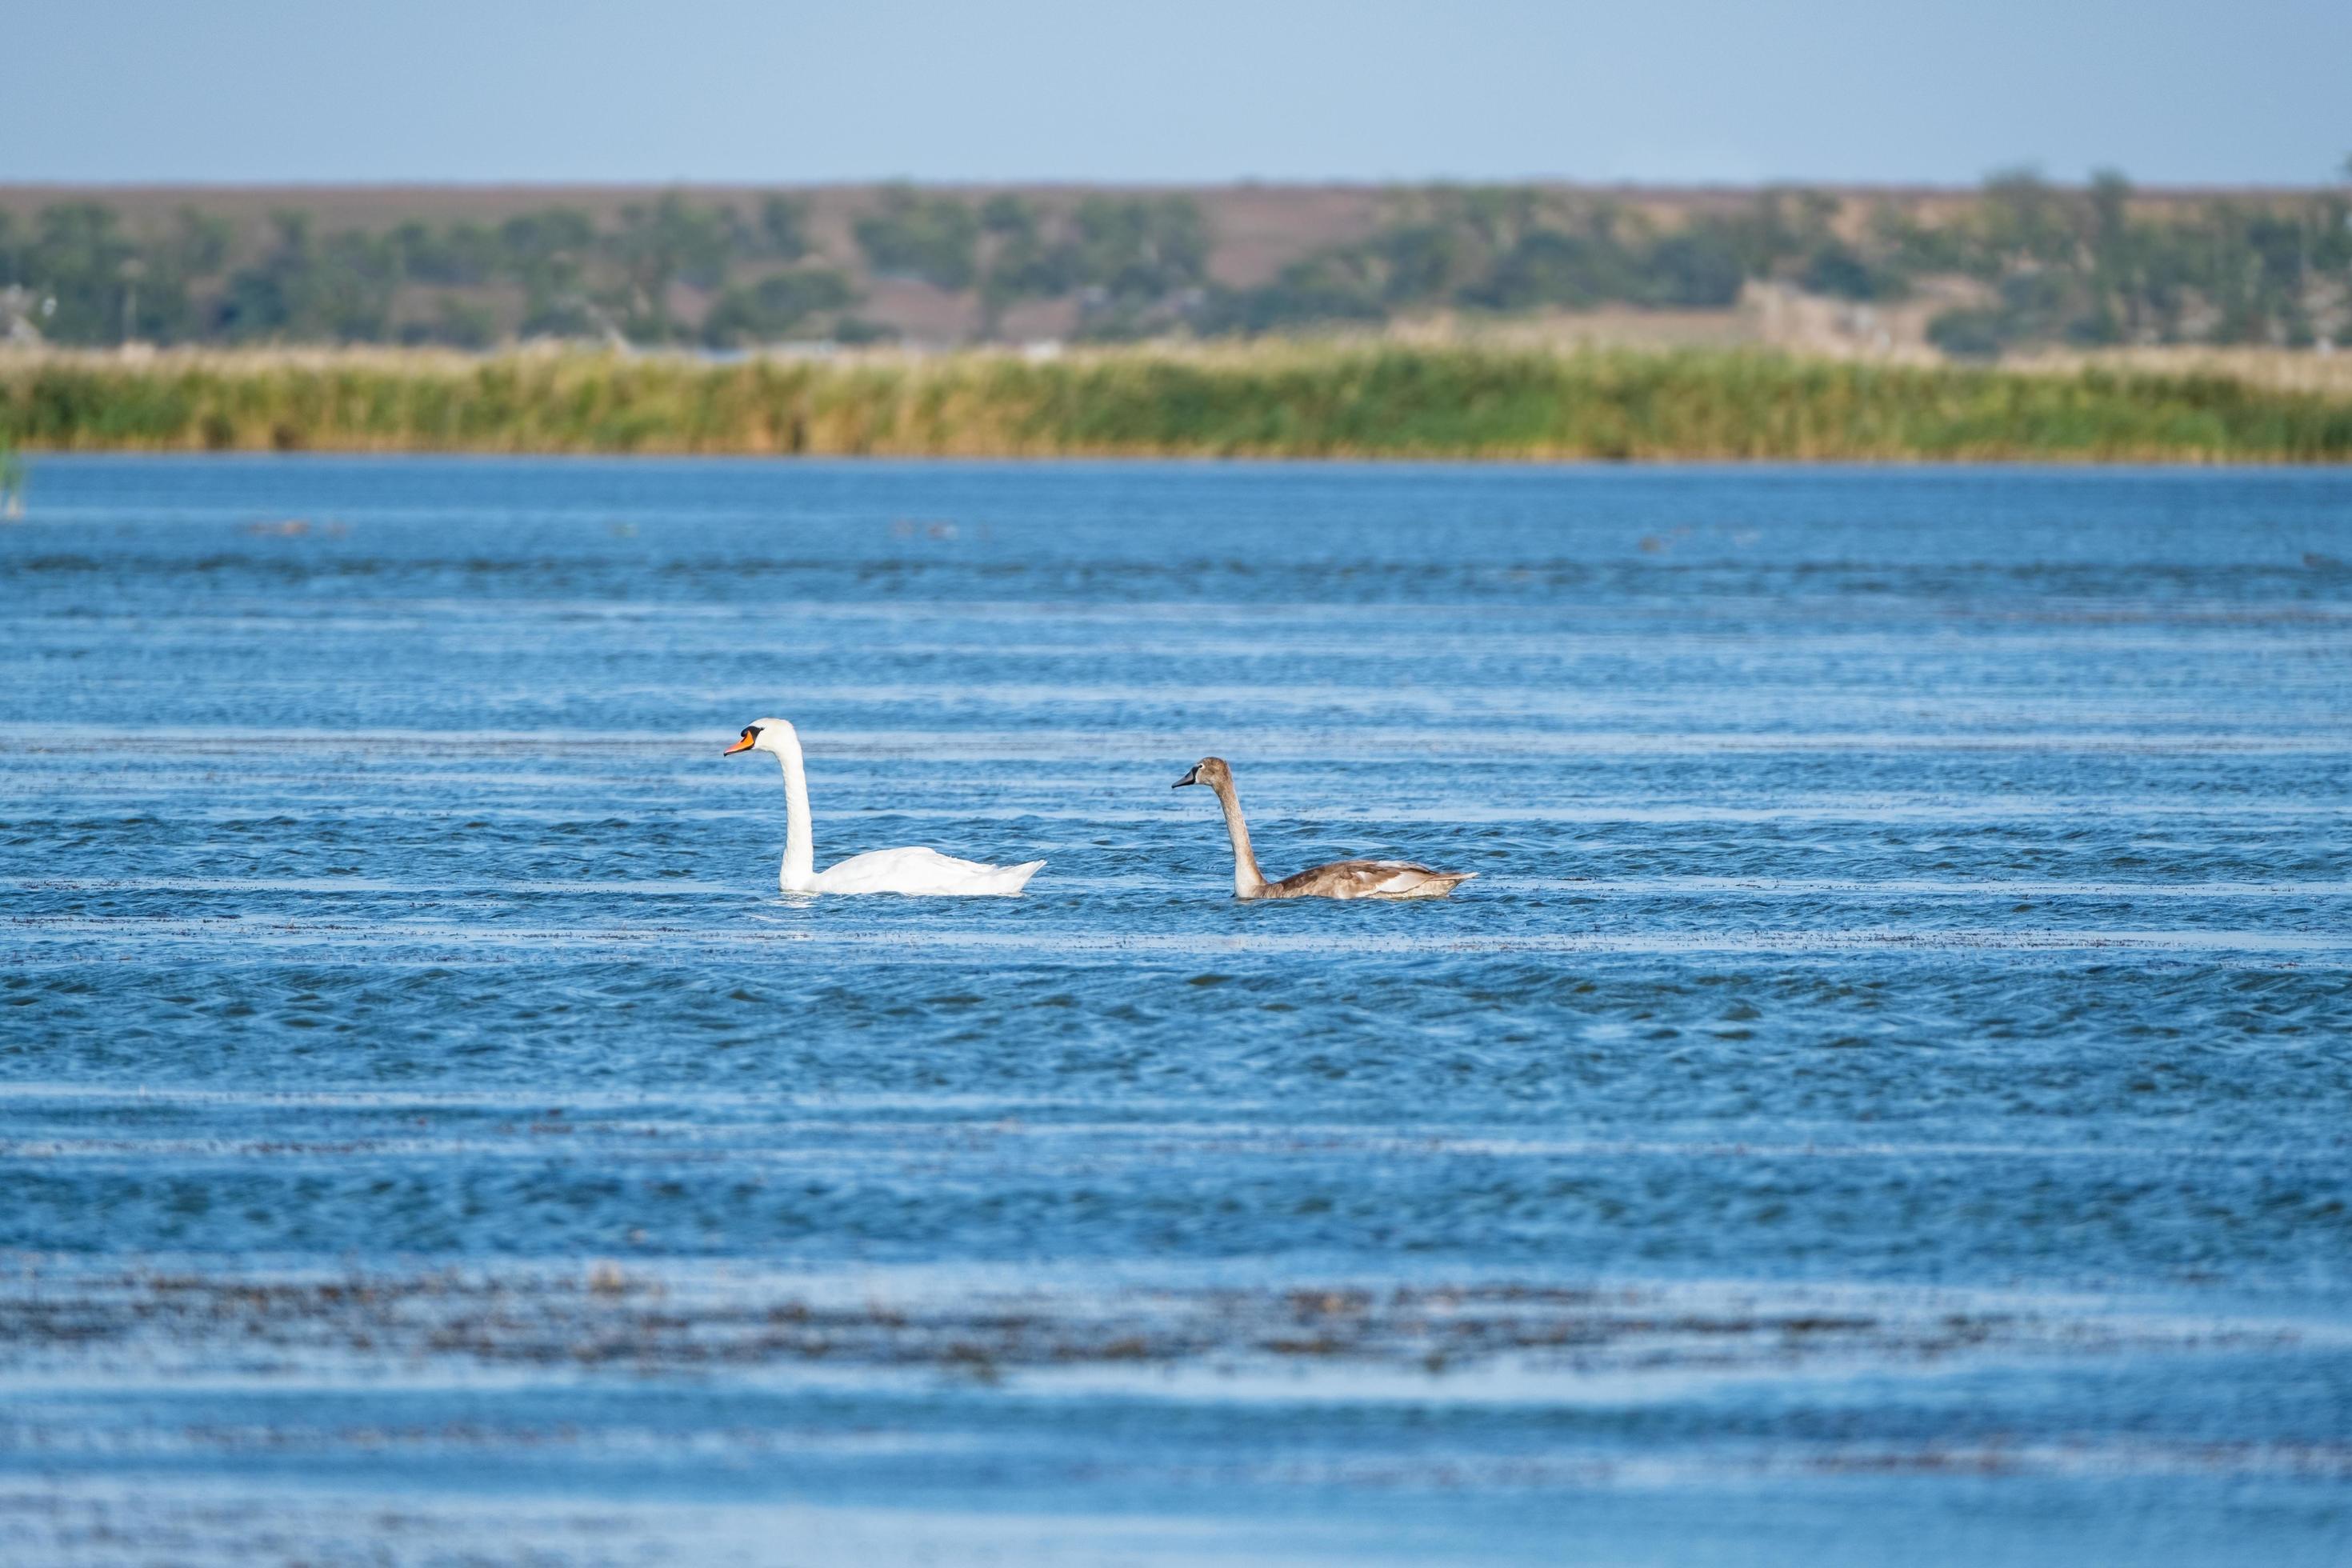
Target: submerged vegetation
2020	262
1289	400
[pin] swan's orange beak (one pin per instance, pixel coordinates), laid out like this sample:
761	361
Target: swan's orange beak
745	745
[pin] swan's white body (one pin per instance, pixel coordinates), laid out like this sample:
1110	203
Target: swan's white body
922	872
917	872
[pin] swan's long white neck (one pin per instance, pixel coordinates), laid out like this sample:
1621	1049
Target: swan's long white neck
799	873
1248	880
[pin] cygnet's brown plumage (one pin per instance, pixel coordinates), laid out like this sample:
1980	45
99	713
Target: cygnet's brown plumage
1339	879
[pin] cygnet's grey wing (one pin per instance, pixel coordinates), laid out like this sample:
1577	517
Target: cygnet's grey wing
1369	879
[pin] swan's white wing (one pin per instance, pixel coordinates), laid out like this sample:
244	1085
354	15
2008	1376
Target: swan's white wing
923	872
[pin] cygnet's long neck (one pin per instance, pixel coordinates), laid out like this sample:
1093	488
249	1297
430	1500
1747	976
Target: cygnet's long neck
1248	882
799	873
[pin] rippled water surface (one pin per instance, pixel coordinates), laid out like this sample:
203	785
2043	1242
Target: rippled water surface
1887	1093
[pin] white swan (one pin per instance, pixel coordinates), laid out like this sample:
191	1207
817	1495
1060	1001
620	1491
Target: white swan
914	871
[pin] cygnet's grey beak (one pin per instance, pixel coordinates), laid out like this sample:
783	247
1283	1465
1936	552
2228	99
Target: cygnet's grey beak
1193	776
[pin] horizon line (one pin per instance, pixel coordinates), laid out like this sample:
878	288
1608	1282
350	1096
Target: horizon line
1629	186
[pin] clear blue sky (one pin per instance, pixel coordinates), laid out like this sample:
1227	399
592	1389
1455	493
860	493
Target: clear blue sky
1682	91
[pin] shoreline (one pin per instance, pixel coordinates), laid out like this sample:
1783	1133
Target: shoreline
1333	400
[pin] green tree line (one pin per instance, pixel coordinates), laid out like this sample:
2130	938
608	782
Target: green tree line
554	272
2088	265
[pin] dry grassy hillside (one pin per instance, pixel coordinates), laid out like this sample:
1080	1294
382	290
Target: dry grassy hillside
1844	271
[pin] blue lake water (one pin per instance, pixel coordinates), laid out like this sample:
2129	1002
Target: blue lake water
1887	1093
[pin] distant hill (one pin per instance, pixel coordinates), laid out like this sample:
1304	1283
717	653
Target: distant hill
2018	262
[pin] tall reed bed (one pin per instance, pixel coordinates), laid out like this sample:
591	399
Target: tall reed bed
1290	400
